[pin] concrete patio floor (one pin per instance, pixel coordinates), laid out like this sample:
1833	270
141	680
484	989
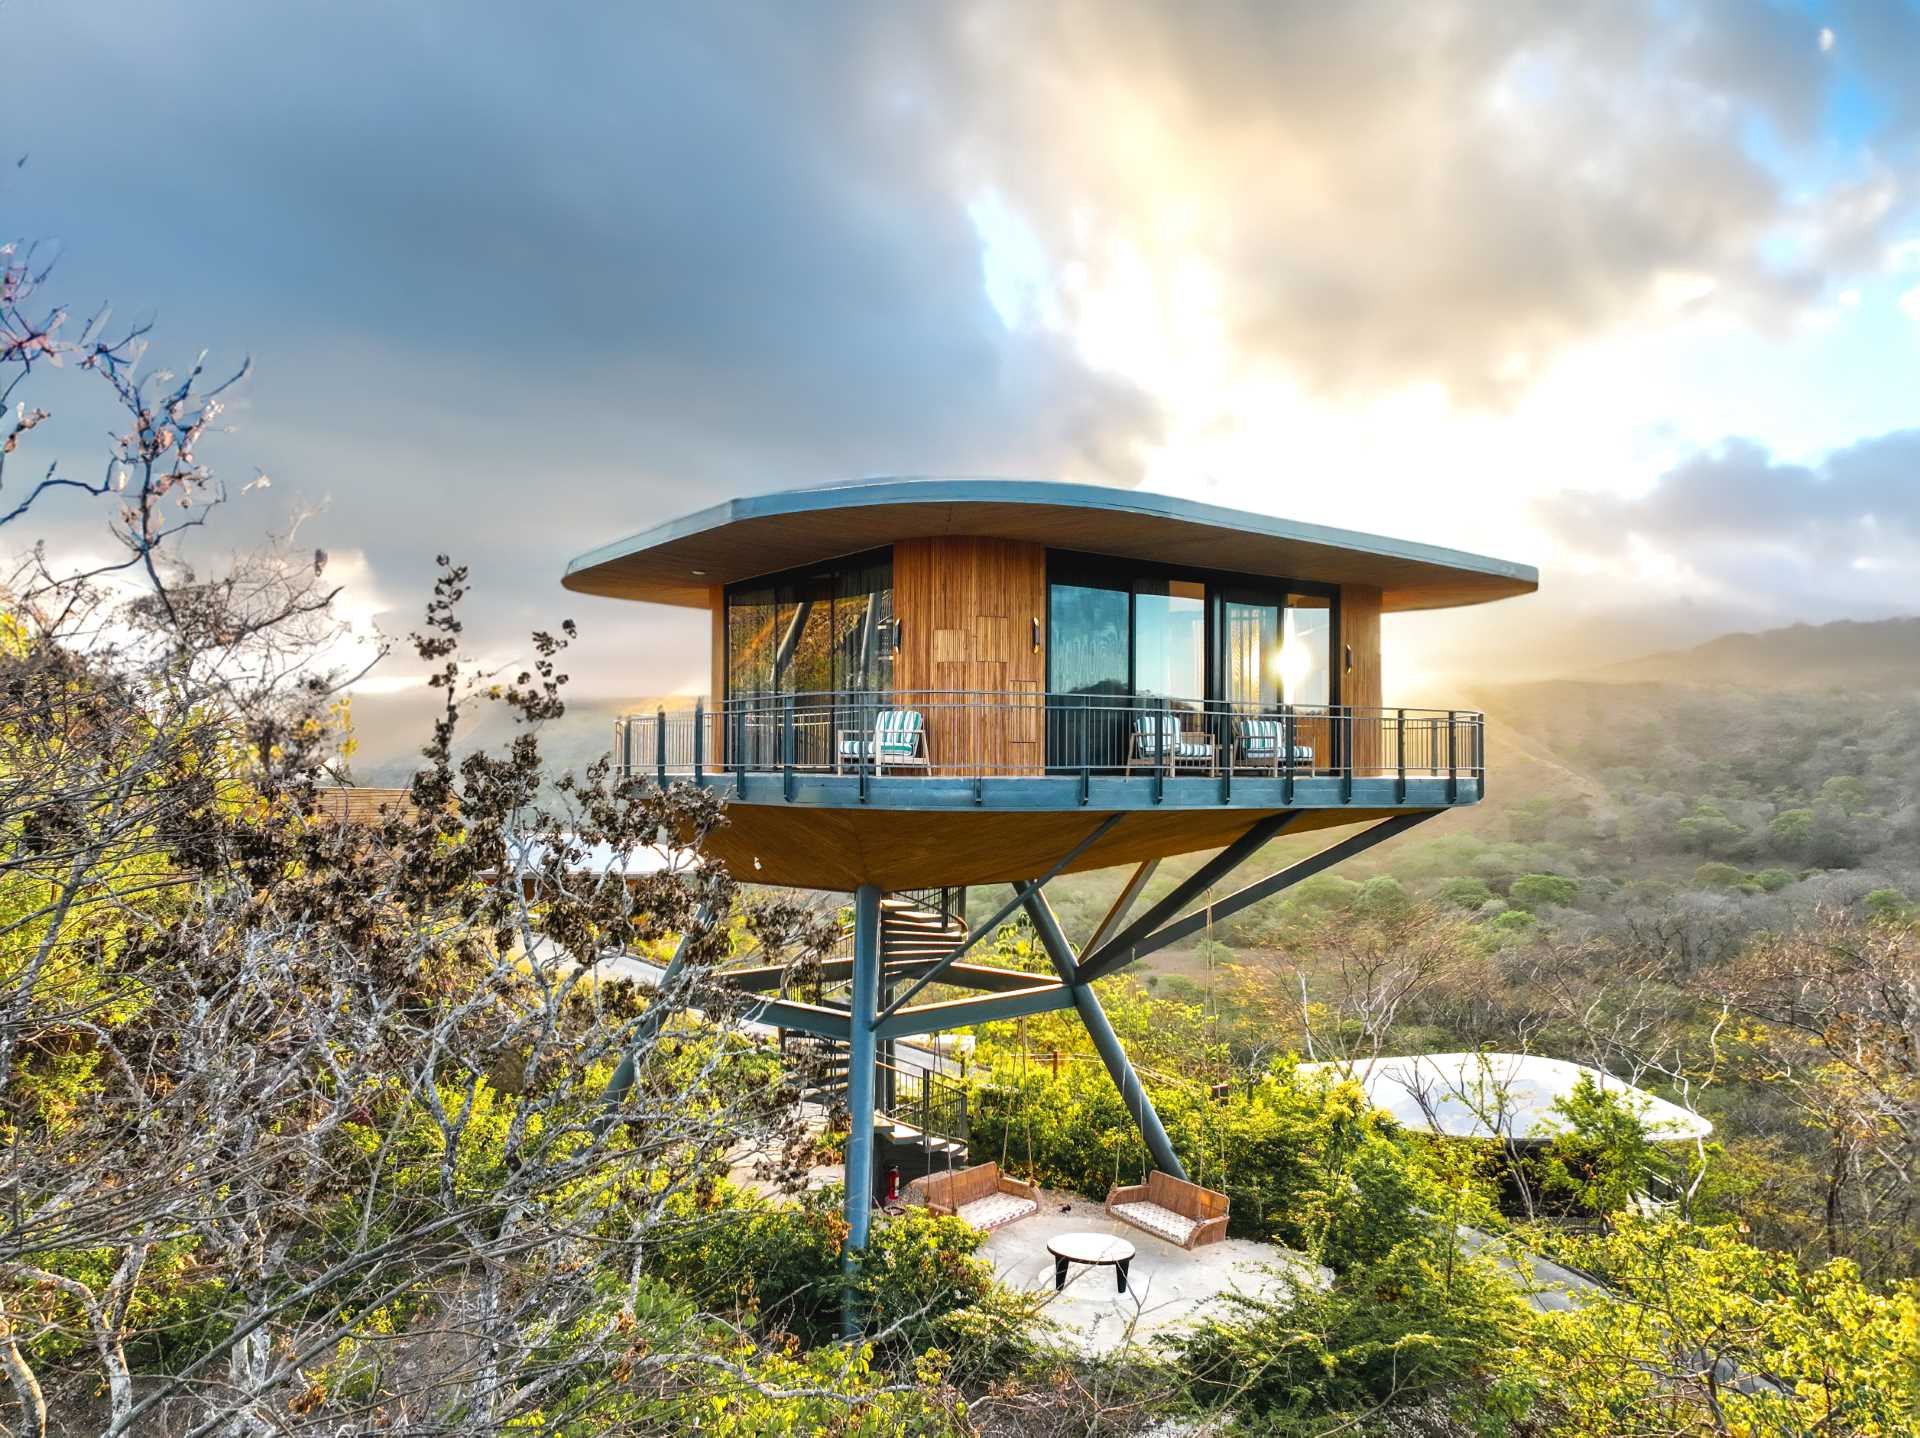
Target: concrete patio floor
1168	1287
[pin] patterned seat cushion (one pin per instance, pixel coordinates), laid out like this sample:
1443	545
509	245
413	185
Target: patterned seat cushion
995	1210
1157	731
898	731
1262	737
1161	1222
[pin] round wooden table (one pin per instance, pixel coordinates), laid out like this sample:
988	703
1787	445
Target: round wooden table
1094	1249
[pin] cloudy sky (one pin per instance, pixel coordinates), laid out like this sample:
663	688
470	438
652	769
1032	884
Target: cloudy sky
1627	290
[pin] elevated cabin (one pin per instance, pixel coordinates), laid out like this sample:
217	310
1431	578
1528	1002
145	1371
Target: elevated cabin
1014	657
923	685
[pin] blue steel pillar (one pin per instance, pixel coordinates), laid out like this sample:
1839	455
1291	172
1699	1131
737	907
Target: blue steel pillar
1132	1093
865	1005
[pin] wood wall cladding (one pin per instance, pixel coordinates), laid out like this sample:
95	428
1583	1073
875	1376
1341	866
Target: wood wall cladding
1360	685
967	609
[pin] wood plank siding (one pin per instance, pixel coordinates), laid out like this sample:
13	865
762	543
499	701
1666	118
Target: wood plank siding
968	609
1360	683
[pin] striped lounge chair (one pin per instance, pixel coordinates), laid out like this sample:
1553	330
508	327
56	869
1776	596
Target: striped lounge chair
1262	745
898	738
1159	737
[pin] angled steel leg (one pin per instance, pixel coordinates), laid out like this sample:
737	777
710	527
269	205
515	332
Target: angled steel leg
861	1047
1132	1092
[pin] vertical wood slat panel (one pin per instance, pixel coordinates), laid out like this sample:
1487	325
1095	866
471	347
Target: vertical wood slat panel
1360	686
980	597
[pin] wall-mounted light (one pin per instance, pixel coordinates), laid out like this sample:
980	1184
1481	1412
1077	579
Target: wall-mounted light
699	574
1349	649
1036	634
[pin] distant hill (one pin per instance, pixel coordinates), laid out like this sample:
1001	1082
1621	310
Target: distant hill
1878	656
391	728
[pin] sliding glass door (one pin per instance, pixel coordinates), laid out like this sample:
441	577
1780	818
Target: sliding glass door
1089	672
1249	655
1170	641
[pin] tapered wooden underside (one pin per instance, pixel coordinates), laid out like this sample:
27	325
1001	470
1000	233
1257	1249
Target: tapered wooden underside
840	849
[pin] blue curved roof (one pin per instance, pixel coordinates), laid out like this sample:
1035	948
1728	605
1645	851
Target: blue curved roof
680	561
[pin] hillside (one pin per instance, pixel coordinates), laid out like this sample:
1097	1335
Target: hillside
1875	656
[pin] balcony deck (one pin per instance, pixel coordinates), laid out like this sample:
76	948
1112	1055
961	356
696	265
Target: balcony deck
996	787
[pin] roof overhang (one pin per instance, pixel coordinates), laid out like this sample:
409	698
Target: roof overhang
679	562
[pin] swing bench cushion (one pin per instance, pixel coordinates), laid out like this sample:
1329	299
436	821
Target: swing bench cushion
981	1197
1171	1208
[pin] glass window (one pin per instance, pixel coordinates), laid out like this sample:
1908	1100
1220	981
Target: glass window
1249	655
1086	640
1170	638
1306	650
832	630
750	640
863	626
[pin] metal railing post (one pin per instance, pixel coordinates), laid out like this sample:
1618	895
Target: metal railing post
1289	736
1223	745
1346	762
870	741
699	743
660	743
1086	748
626	748
1160	752
1453	756
786	747
1400	746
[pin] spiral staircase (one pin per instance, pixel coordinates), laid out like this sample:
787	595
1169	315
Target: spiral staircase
920	1122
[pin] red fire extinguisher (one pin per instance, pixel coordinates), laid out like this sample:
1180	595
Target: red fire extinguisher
893	1184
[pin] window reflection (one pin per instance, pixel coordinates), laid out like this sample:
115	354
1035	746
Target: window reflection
831	630
1170	638
1305	661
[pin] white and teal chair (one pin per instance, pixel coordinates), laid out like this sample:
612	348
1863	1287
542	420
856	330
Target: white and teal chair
1263	745
898	738
1158	739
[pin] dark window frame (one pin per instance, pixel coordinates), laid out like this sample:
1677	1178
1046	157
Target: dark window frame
1085	569
829	570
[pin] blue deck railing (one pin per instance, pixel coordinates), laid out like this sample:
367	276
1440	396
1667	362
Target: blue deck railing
978	734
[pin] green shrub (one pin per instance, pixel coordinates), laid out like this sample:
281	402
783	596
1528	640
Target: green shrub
1468	894
777	1268
1381	897
1425	1323
1542	891
1772	881
1718	876
1512	924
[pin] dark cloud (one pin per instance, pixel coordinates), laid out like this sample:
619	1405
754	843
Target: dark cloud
1838	537
524	278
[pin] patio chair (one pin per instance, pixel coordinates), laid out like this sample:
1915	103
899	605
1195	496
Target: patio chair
1171	1208
981	1197
1262	745
897	739
1158	736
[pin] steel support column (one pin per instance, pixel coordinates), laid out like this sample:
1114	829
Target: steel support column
1132	1092
864	1000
